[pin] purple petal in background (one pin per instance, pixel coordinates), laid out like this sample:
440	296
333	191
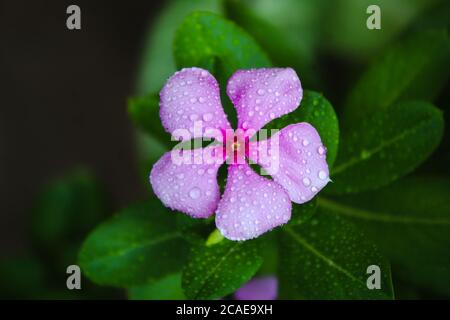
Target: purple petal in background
261	288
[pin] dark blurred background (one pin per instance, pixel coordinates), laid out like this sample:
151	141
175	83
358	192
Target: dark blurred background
63	101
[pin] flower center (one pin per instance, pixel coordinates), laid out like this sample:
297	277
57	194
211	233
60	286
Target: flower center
236	146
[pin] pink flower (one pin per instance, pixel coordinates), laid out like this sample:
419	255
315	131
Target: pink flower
251	204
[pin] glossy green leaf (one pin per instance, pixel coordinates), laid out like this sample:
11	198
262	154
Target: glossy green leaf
67	208
215	271
205	39
316	110
302	213
386	146
415	69
138	245
410	221
327	258
167	288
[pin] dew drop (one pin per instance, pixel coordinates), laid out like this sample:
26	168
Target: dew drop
305	142
322	175
193	100
321	150
194	193
207	117
306	182
261	92
201	100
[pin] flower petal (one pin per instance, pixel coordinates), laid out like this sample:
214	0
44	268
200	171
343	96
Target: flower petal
296	158
261	95
251	205
260	288
192	96
189	186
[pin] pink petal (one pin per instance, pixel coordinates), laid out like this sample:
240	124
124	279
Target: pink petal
260	288
190	188
251	205
296	158
192	96
261	95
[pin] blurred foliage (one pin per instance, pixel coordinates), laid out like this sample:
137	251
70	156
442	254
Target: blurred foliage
65	210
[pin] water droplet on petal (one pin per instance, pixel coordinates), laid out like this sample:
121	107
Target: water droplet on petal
322	175
201	99
321	150
306	182
305	142
194	193
207	117
261	92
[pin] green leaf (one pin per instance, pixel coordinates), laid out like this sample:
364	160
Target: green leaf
138	245
386	146
215	271
416	69
327	258
167	288
204	37
157	63
317	111
144	111
66	209
410	221
302	213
